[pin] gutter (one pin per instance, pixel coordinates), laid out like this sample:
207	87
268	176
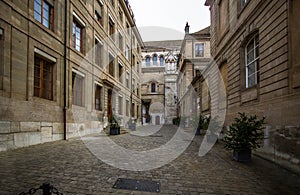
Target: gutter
65	72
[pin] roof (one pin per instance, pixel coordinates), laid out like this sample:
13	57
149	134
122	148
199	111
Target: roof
168	45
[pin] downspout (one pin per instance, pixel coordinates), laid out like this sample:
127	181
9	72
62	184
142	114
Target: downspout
131	66
65	71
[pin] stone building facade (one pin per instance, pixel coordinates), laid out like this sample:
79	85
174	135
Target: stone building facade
159	73
66	68
194	58
255	46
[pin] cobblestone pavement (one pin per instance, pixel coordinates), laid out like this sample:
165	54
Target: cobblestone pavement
73	169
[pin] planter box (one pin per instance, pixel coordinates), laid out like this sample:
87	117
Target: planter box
242	156
114	131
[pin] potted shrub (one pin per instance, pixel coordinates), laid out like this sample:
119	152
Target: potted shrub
244	135
114	127
132	124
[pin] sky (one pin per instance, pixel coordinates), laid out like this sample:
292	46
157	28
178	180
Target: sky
166	19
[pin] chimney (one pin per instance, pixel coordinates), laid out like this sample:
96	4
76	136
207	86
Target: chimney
187	28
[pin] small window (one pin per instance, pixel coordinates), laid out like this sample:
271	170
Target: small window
77	38
199	50
99	13
121	42
133	85
153	87
252	61
128	28
120	72
120	15
133	60
77	89
98	53
154	59
147	60
43	12
138	67
98	97
161	60
43	78
111	65
111	28
127	52
243	3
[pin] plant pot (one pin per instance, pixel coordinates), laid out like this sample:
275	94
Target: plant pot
114	131
242	156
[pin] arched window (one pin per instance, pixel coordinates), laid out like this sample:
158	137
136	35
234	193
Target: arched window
252	61
147	60
161	60
154	59
153	87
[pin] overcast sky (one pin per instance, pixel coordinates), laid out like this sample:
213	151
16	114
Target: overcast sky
169	17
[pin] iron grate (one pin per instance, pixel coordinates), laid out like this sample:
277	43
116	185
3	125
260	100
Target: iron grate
137	185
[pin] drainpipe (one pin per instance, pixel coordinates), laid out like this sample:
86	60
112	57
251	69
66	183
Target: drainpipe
65	71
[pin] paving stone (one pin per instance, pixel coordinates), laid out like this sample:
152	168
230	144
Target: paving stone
73	169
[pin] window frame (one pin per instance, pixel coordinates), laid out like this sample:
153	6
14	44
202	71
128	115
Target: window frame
42	18
120	105
42	63
98	52
199	50
111	64
153	87
255	39
98	97
78	80
78	25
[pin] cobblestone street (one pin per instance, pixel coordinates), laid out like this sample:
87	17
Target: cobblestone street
73	169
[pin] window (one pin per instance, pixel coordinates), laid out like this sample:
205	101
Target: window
121	42
111	65
161	60
98	52
132	110
243	3
43	12
252	61
138	67
43	78
200	50
153	87
154	59
137	111
77	89
127	52
98	95
147	60
127	107
128	28
120	72
111	28
223	18
133	60
133	85
99	12
112	2
120	15
127	80
120	105
77	38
